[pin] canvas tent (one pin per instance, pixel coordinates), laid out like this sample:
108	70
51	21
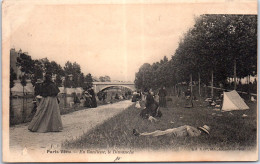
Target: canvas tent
17	90
232	101
79	90
69	91
61	90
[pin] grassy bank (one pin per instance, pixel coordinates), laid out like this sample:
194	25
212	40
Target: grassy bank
229	131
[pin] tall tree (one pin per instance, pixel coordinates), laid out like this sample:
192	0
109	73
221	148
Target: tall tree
105	78
38	71
73	70
216	45
26	64
81	80
88	81
144	77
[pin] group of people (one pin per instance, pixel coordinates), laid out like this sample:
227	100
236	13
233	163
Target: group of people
47	117
151	110
152	106
102	96
137	96
89	98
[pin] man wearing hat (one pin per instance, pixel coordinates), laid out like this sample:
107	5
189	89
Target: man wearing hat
188	97
181	131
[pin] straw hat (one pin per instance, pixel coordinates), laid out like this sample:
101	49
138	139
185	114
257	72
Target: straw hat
39	81
205	128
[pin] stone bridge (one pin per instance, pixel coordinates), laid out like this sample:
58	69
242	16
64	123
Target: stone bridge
99	86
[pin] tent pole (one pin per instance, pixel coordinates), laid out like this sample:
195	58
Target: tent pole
199	84
191	82
175	89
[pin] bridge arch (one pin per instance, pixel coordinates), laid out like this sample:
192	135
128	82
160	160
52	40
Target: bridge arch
98	86
123	86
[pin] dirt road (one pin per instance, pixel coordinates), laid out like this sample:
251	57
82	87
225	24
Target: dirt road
75	125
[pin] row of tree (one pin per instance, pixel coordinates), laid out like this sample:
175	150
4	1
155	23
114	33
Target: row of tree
215	49
70	75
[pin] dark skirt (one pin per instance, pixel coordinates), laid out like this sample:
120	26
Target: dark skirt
188	102
134	99
151	110
47	117
94	102
162	101
88	102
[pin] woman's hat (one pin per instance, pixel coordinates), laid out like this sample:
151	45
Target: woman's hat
39	81
205	128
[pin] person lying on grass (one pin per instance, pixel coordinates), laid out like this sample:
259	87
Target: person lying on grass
181	131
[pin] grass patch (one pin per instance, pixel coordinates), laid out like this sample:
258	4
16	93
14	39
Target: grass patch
228	132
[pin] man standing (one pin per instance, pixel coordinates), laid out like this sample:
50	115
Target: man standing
162	97
104	96
188	97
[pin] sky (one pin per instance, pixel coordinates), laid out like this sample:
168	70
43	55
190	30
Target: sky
105	39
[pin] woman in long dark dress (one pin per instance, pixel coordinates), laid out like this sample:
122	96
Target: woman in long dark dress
93	97
47	117
162	97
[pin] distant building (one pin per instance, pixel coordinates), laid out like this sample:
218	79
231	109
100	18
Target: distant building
13	59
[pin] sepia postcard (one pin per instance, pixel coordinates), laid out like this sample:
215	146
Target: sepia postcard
129	81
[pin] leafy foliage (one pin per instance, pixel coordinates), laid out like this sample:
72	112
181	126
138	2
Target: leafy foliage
88	81
215	43
104	78
34	69
72	74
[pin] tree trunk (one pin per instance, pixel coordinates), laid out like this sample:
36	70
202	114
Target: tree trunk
175	89
65	96
235	74
212	81
191	83
23	117
199	84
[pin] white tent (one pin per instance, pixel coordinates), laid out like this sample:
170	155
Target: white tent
29	88
232	101
17	90
79	90
61	89
69	91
